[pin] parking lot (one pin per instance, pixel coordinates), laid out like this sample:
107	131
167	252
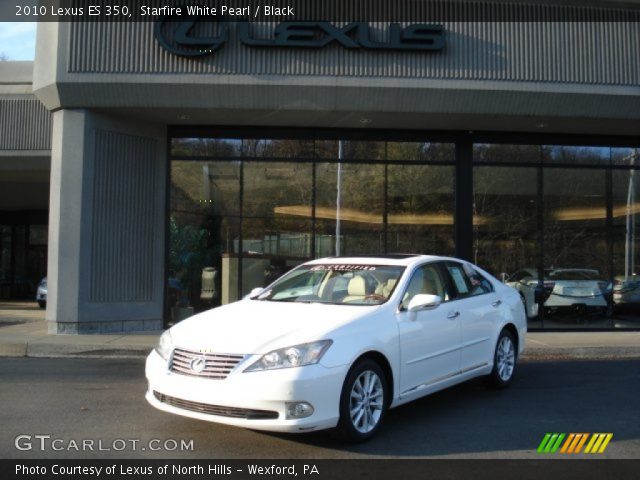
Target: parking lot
102	400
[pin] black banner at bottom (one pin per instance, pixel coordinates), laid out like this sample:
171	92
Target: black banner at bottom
542	469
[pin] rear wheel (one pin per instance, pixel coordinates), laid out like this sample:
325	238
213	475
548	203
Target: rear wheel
363	402
504	360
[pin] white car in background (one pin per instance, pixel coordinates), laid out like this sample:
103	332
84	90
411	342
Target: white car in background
336	342
41	293
626	290
575	289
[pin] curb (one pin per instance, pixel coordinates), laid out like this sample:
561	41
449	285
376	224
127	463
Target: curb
580	353
45	350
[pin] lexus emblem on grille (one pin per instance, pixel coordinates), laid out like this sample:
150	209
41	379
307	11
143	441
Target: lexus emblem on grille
198	364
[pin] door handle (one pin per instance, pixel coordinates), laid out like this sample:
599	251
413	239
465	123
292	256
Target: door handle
497	303
453	315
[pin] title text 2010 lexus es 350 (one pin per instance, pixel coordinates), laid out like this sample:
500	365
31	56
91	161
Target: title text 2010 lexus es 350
336	342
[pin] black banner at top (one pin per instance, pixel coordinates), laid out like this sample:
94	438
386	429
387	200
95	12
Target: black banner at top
314	10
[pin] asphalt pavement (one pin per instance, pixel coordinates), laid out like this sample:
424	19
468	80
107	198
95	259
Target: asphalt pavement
73	400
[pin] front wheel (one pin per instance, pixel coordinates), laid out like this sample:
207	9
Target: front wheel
504	360
363	402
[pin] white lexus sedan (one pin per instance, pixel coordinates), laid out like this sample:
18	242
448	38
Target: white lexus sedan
336	342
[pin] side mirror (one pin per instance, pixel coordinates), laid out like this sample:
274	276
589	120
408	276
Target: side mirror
254	292
424	302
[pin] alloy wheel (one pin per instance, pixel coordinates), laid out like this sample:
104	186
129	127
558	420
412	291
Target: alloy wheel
366	401
505	358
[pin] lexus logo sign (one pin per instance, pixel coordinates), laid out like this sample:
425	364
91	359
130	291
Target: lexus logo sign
182	37
198	364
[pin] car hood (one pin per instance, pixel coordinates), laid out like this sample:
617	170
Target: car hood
258	327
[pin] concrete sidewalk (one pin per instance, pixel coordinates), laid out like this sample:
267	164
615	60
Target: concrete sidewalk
31	339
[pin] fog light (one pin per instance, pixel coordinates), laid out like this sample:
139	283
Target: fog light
298	409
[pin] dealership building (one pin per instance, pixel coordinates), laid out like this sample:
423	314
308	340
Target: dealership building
155	169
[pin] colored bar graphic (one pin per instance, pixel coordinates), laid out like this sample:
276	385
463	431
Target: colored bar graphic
584	439
568	442
573	445
543	443
557	444
551	442
574	442
590	444
607	439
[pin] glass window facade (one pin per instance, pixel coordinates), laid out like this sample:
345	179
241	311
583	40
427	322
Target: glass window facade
245	211
559	219
23	254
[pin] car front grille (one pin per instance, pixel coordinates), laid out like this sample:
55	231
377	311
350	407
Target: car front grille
219	410
216	365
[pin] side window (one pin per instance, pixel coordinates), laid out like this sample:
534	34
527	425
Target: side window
468	281
426	280
460	280
479	284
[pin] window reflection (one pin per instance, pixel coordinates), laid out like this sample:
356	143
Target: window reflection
575	248
420	209
277	221
421	151
204	228
206	147
560	218
506	238
626	249
568	155
349	209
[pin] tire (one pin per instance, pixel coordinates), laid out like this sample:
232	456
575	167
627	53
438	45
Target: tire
355	428
502	373
42	304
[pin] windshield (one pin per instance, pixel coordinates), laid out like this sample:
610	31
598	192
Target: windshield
335	284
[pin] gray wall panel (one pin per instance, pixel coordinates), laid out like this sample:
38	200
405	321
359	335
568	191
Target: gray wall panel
123	227
25	123
603	52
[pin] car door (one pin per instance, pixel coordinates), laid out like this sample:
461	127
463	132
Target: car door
479	308
430	340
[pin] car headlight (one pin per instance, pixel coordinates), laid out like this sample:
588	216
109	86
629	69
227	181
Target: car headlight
165	345
296	356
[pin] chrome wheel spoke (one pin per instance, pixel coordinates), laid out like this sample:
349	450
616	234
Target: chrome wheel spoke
356	419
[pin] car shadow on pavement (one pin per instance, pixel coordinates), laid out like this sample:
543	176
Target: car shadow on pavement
473	419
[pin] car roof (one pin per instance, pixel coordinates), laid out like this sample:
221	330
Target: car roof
386	259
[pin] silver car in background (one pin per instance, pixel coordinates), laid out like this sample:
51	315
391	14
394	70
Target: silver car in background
626	290
579	290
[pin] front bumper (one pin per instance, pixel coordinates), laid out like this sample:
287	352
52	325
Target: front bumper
221	400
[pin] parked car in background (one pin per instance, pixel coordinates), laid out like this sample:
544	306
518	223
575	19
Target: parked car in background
579	290
41	293
626	290
336	342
